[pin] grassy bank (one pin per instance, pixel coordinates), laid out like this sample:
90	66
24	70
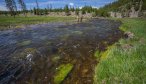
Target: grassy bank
125	61
7	22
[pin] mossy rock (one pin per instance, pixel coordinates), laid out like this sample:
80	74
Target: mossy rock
62	72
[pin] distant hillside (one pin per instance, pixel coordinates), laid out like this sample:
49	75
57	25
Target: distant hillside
115	6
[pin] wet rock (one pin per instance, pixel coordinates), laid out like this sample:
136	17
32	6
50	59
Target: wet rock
29	57
76	46
25	54
59	44
129	35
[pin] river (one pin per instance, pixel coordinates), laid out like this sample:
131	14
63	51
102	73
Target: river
31	55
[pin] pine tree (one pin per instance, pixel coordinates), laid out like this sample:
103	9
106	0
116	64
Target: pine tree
35	11
66	9
77	11
23	6
45	11
11	6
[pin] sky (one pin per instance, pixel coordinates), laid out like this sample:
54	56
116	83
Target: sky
61	3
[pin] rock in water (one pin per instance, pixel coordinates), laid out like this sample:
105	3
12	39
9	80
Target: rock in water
29	57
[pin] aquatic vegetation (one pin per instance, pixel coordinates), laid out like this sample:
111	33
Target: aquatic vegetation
65	37
62	71
55	58
24	53
77	32
25	43
97	54
49	61
48	43
43	37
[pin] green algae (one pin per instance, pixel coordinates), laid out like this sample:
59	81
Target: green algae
62	72
97	54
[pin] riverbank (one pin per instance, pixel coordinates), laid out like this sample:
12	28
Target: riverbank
9	22
125	61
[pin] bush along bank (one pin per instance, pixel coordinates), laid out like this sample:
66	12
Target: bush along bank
125	61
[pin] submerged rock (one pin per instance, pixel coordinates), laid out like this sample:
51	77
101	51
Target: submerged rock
29	57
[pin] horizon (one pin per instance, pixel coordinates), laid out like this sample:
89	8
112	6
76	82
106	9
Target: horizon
60	3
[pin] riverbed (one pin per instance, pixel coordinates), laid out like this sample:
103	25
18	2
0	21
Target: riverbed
32	55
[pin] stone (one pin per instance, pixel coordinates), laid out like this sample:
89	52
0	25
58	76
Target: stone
119	15
129	35
29	57
112	14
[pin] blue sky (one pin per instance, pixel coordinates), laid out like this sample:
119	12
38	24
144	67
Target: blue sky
61	3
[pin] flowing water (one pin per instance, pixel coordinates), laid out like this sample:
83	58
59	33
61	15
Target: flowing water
31	55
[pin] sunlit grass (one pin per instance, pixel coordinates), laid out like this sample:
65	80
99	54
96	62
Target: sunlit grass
125	65
7	22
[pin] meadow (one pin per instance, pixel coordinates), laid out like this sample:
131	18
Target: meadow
125	61
9	22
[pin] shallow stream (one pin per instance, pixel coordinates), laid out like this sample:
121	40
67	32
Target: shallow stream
31	55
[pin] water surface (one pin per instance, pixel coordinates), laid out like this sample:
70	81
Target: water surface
31	55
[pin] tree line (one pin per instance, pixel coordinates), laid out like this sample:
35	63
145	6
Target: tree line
103	11
117	6
13	10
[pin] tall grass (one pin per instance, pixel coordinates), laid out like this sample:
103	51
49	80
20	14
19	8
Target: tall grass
126	60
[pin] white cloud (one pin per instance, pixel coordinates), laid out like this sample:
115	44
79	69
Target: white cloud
95	7
80	7
71	4
92	7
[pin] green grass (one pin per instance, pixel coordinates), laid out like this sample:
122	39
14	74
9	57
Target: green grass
125	65
7	21
62	71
